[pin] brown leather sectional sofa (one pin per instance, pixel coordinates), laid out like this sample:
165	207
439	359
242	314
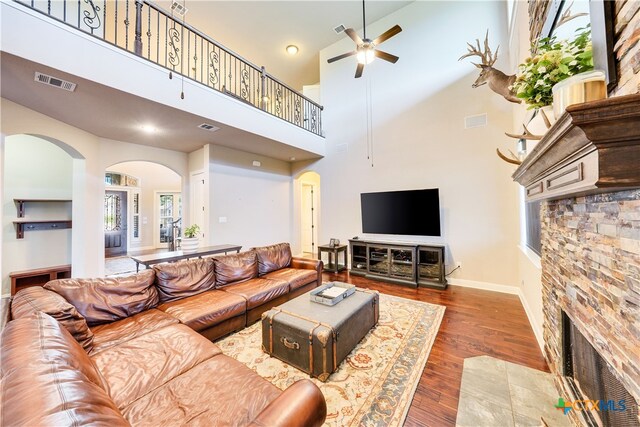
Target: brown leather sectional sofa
136	350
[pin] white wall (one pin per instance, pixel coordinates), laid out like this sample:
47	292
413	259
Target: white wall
529	271
419	105
153	178
35	169
91	157
256	201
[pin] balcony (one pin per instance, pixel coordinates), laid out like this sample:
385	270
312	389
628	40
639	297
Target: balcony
163	38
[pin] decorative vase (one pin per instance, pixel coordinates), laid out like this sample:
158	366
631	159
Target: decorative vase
189	244
583	87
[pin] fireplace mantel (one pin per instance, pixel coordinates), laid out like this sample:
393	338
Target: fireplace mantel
594	147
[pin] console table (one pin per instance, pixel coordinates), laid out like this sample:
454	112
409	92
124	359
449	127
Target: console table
149	260
409	264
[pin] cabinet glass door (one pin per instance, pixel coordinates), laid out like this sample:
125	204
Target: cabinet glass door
430	264
358	257
402	263
378	260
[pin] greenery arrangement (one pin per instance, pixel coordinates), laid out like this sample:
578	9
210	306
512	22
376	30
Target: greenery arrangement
191	232
553	62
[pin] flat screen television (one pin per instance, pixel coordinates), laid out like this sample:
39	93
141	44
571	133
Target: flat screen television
412	212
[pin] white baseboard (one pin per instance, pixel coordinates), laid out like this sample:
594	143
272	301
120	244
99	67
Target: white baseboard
487	286
505	289
537	330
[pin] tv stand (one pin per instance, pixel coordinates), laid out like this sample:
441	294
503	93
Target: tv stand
409	264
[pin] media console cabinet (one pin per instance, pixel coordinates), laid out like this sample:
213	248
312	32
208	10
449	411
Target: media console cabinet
410	264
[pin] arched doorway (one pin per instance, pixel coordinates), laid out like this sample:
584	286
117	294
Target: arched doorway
39	190
308	211
142	212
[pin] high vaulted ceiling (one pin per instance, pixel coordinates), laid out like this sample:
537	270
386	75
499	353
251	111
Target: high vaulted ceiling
259	31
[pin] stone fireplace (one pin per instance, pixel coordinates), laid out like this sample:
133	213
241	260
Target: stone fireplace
591	278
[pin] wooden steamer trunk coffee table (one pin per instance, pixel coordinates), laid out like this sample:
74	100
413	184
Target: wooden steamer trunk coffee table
314	337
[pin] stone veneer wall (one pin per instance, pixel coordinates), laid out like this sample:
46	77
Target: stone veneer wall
591	270
627	46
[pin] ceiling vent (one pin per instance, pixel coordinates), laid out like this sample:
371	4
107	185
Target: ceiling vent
475	121
178	8
55	82
340	28
210	128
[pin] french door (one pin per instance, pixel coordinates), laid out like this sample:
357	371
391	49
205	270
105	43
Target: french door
169	208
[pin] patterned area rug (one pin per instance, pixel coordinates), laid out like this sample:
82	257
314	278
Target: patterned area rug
375	384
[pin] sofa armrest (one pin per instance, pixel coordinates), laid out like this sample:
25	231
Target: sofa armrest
302	404
307	264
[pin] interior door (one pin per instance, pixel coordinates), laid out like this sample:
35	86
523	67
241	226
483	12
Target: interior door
198	211
115	223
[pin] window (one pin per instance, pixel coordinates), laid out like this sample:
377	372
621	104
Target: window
136	216
532	220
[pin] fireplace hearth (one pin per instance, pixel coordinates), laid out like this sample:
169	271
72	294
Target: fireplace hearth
604	401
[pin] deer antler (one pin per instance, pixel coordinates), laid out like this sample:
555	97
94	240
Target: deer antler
513	160
526	135
567	16
487	57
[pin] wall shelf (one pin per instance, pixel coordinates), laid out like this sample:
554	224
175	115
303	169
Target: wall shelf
37	224
22	226
20	204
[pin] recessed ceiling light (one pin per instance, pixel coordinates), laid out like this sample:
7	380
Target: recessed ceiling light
292	158
148	128
292	49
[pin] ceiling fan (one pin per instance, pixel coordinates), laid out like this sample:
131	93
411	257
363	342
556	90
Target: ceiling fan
366	48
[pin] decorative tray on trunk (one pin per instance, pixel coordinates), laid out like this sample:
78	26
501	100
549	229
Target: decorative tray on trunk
332	293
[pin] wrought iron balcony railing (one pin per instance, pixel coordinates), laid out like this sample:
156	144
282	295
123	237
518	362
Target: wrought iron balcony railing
150	32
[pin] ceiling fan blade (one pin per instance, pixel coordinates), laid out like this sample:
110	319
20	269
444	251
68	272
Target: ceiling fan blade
359	70
339	57
386	56
387	34
354	36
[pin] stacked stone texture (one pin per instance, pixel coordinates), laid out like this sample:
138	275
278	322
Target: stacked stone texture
627	46
591	270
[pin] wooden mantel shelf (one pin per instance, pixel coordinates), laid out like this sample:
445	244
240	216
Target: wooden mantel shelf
594	147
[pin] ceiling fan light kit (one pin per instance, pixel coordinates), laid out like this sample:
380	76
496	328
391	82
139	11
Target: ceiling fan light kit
366	48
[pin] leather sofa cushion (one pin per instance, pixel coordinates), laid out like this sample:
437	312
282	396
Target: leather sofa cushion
48	379
258	291
236	267
111	334
274	257
35	299
108	299
184	279
296	278
218	392
207	309
137	367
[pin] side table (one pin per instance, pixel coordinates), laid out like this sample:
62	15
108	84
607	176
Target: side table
333	253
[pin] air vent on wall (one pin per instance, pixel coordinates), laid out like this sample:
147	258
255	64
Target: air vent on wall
55	82
178	8
477	121
340	28
210	128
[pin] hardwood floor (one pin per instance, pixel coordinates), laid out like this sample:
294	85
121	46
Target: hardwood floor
475	323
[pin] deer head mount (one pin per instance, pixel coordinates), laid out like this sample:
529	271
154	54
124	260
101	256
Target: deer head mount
498	81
